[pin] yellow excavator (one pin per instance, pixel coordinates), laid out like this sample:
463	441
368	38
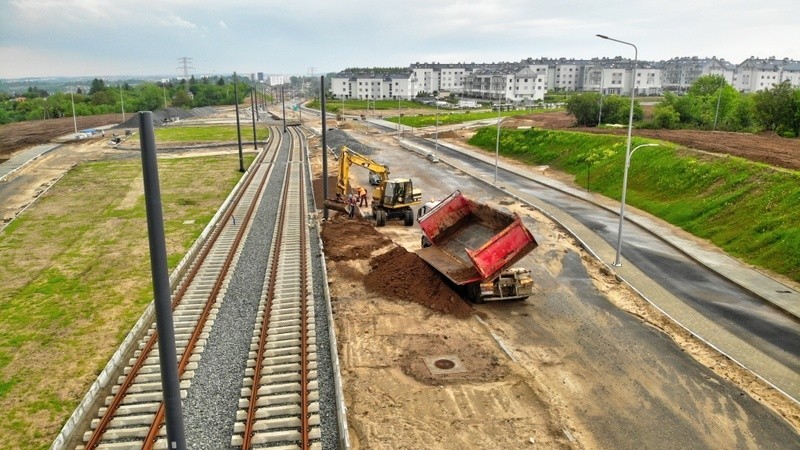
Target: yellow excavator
391	199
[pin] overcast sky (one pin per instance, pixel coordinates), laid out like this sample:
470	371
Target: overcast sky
99	38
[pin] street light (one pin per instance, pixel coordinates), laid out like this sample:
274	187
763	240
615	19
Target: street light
628	148
497	143
74	120
617	262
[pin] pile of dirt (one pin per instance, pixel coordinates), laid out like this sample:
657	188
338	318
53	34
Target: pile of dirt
348	239
397	273
401	274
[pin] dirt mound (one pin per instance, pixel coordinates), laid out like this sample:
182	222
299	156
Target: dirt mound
346	239
397	274
401	274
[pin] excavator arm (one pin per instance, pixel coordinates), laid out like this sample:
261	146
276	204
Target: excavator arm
348	157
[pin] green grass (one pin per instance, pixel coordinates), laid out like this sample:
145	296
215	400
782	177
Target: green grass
750	210
452	118
335	105
211	133
74	280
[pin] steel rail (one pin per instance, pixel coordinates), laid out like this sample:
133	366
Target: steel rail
129	379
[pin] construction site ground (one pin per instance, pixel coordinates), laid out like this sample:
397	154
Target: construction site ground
520	375
537	373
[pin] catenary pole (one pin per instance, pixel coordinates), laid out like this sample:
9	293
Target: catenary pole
167	355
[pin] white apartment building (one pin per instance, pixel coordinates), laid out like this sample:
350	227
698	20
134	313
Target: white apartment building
506	85
375	86
756	74
678	74
438	78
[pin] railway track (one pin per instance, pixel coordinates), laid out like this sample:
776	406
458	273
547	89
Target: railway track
279	399
279	404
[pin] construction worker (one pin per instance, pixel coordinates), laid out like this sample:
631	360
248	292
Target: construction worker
362	196
351	204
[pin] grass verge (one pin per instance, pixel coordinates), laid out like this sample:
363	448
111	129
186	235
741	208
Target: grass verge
208	133
750	210
74	280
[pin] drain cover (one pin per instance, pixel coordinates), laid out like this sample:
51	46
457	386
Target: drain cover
444	364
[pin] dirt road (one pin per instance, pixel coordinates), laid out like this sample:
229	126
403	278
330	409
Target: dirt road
14	136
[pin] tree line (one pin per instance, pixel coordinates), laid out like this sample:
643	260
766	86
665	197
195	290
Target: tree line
709	104
35	103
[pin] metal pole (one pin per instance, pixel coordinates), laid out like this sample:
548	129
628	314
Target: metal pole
628	148
719	97
497	144
436	149
617	261
122	102
238	130
324	146
74	120
253	107
283	107
600	114
167	355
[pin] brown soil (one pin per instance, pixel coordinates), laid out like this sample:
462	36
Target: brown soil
766	147
395	274
14	136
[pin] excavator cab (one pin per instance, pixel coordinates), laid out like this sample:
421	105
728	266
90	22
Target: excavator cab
398	192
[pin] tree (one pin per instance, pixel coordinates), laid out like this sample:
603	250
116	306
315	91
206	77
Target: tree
665	116
585	108
98	85
182	99
777	108
221	81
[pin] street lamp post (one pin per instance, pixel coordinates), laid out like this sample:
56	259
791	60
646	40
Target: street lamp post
497	143
436	149
628	148
122	103
74	120
617	261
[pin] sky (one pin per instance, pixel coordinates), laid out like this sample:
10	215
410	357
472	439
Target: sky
109	38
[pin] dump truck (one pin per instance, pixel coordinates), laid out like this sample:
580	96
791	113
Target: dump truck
475	247
391	199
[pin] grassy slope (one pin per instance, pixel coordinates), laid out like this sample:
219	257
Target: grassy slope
74	280
750	210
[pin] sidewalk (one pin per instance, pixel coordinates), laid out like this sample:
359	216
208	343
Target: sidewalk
21	159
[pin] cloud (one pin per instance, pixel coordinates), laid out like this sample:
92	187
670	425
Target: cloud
179	22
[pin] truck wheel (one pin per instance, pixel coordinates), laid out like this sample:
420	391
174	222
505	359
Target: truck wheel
409	220
380	218
474	292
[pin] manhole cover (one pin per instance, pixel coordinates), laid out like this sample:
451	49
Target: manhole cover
444	364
